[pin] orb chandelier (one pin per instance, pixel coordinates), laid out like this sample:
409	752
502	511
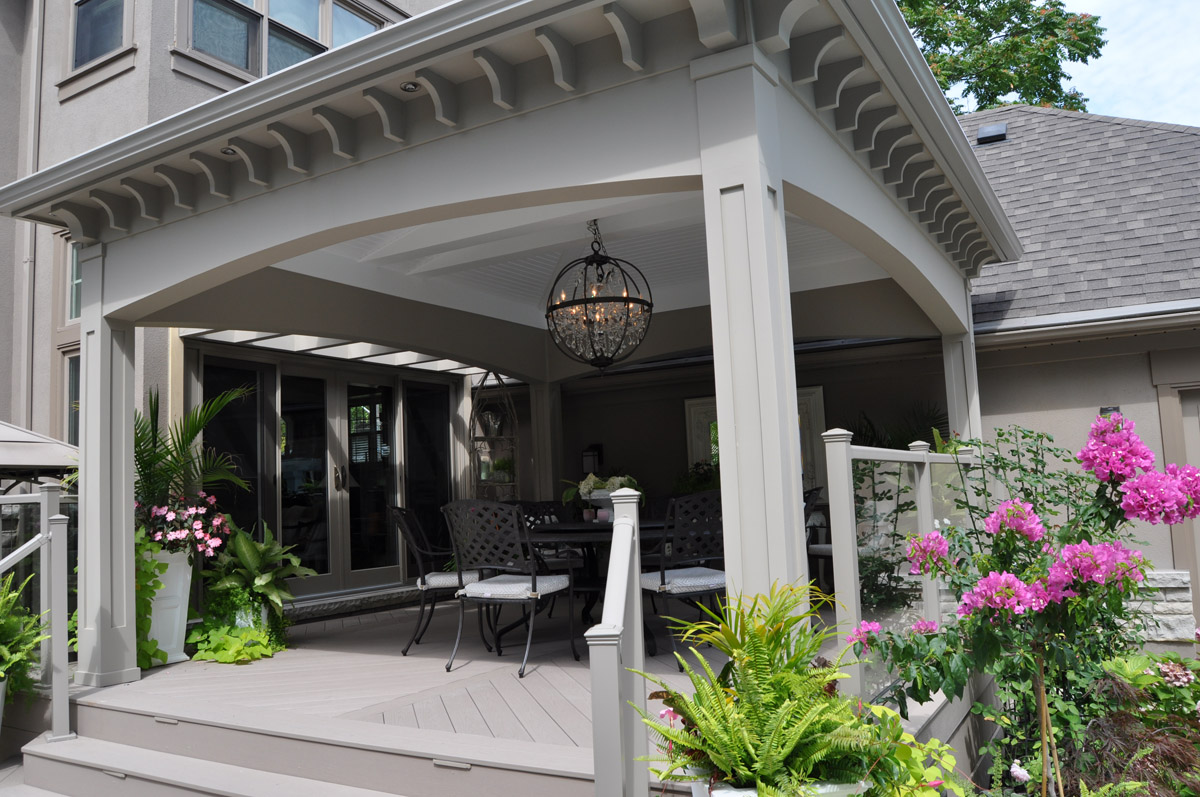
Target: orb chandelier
599	307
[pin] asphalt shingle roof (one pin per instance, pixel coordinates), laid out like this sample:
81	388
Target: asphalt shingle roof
1107	210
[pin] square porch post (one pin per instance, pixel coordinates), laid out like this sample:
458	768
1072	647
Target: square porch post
107	615
962	385
753	344
545	413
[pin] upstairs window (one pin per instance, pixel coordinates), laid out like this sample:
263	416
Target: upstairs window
264	36
99	25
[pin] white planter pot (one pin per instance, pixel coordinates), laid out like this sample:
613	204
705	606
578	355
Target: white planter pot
816	789
168	619
601	499
3	698
245	618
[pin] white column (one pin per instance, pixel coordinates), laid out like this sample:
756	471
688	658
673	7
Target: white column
962	385
545	415
753	354
107	615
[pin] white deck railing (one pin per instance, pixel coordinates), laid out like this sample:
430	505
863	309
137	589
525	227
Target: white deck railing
840	456
51	543
615	646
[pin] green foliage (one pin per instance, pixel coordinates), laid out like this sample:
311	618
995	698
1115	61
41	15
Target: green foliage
146	584
261	568
773	720
700	477
231	644
1132	787
20	636
171	462
1002	48
879	505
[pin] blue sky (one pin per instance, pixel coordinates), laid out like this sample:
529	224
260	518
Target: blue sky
1150	68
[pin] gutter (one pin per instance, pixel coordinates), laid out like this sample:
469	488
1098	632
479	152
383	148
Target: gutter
1108	322
879	24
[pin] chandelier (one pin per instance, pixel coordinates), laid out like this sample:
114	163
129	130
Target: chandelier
599	307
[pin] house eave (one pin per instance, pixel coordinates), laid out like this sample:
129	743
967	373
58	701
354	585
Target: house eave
1089	324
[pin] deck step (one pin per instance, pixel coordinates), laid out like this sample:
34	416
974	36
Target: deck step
382	759
25	790
84	767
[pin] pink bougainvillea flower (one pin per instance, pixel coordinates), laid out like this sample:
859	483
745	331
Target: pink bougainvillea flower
1113	450
1155	498
927	552
1015	516
925	627
1189	483
864	634
1084	563
1003	591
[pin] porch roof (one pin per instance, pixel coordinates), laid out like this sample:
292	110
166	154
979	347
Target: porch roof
476	62
23	451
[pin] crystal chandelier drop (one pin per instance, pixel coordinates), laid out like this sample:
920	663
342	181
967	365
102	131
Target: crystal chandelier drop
599	307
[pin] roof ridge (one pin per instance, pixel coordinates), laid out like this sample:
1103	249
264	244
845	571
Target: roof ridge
1117	120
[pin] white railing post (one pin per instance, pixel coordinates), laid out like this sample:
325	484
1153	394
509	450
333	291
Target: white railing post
48	502
55	572
929	588
843	531
615	646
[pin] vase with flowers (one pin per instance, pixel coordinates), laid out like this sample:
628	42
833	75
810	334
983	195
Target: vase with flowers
597	492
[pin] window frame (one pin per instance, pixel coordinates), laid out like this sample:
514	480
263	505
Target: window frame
74	69
209	68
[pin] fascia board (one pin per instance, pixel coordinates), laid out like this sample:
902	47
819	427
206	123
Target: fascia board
449	28
879	29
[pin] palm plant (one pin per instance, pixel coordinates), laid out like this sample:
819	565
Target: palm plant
172	462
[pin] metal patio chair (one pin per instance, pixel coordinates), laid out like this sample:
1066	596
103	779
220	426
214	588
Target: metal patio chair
693	542
432	581
493	538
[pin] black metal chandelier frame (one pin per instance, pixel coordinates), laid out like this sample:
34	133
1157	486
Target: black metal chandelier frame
591	309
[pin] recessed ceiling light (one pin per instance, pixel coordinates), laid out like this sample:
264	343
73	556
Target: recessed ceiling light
410	86
228	151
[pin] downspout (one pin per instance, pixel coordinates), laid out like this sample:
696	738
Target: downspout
33	131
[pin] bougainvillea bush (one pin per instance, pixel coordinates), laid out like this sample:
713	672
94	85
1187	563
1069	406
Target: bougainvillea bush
1046	585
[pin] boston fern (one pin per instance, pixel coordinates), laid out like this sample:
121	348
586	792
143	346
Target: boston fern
20	636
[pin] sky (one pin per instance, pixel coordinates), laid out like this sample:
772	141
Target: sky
1150	67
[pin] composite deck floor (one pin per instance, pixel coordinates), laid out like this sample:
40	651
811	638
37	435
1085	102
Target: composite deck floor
351	668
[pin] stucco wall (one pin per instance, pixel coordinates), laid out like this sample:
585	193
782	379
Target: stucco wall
1060	390
12	45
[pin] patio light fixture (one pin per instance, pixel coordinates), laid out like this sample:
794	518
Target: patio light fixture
599	307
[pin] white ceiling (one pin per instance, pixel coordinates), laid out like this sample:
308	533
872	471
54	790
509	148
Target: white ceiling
502	264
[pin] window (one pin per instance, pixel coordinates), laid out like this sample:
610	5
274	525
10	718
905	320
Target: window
74	287
264	36
99	25
72	408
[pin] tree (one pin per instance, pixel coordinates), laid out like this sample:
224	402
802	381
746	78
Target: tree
991	49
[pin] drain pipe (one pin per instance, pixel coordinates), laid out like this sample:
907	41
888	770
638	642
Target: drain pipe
26	300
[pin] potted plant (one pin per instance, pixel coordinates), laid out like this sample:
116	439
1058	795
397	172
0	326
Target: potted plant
20	636
598	492
771	722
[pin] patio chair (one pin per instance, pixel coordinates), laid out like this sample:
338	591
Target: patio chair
693	541
556	557
493	538
432	581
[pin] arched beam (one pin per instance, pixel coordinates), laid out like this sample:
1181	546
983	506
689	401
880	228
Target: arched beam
343	137
182	185
500	76
220	180
629	35
83	222
295	146
390	111
562	57
148	197
808	50
256	158
716	22
444	95
774	21
117	208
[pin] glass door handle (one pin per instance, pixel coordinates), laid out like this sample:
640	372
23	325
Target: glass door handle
337	479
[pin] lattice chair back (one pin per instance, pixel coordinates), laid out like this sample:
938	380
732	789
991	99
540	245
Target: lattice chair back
489	536
415	541
694	530
538	513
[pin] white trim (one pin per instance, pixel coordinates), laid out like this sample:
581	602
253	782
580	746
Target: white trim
1088	316
1158	317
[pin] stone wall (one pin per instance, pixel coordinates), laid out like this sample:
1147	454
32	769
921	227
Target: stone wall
1169	601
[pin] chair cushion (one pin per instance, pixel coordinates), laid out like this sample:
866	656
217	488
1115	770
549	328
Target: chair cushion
447	580
685	580
513	587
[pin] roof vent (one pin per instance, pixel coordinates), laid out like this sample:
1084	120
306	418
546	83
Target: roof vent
989	134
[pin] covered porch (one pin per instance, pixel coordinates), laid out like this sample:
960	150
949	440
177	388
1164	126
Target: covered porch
784	172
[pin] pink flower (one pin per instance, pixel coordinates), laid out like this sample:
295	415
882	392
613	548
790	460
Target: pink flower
927	552
1084	563
212	499
1189	483
170	516
1002	591
668	714
925	627
1015	516
864	633
197	524
218	520
1113	450
1155	498
1018	772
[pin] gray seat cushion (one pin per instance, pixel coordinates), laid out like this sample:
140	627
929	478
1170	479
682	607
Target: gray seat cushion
447	580
685	580
513	587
